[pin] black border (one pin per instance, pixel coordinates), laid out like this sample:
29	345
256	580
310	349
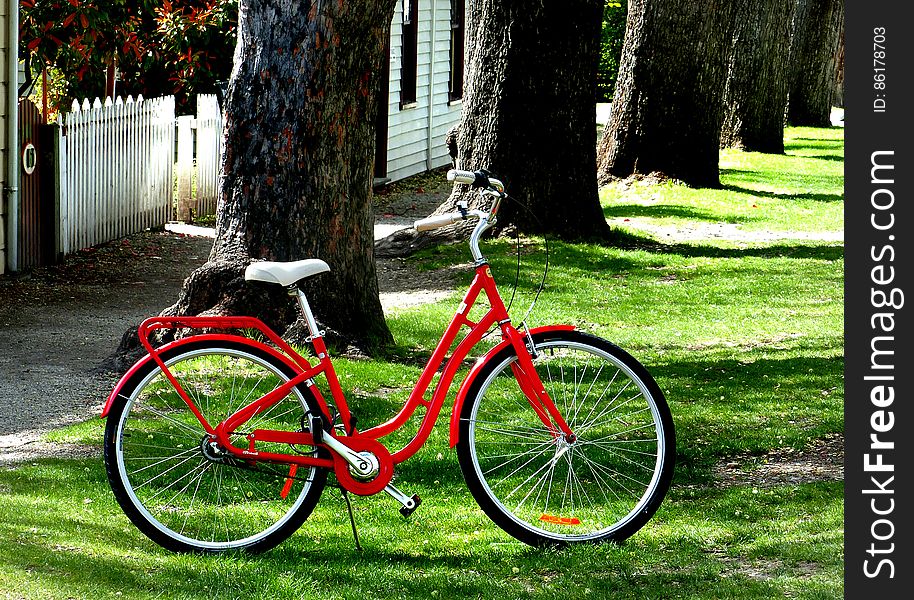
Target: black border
867	131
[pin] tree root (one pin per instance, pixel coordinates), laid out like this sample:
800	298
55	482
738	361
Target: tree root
406	242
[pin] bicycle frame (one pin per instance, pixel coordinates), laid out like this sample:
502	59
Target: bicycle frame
351	446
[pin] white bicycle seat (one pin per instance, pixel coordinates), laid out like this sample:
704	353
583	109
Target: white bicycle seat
284	273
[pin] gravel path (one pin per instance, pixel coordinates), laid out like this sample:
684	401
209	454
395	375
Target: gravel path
58	324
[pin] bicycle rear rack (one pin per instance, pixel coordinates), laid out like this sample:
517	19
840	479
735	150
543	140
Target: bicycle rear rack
221	324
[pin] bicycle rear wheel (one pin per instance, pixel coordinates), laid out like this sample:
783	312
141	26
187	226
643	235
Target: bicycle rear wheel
182	491
546	490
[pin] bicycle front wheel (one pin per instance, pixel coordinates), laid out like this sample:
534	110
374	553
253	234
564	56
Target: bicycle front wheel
543	489
176	485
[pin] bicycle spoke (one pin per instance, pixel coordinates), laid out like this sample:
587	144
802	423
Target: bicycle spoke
577	385
582	489
601	482
161	459
613	473
611	409
200	465
548	465
606	388
267	416
188	458
587	393
540	482
618	447
190	508
536	451
625	432
517	431
190	431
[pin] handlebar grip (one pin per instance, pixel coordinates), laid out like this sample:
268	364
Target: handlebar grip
479	179
437	221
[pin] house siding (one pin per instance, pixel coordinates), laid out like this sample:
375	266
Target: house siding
416	136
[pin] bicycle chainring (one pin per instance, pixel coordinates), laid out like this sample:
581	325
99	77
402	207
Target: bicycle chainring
361	486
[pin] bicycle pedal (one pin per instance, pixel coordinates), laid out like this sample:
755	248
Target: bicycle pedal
407	511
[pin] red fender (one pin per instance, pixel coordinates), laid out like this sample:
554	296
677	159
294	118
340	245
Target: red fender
471	376
143	363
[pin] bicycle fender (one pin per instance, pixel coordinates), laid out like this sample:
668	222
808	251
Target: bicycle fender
474	371
140	368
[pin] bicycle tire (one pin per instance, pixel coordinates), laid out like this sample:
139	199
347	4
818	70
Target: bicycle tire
539	488
183	494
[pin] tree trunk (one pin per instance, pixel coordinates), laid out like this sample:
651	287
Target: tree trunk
297	169
668	107
814	53
756	92
838	94
529	118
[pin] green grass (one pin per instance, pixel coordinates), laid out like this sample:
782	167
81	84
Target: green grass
745	339
802	190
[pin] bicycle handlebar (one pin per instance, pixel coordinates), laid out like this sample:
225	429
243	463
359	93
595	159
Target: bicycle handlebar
436	221
429	223
477	179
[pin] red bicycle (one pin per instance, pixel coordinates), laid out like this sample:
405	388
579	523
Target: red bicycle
217	442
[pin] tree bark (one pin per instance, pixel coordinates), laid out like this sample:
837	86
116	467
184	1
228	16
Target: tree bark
667	111
297	169
755	96
814	55
528	118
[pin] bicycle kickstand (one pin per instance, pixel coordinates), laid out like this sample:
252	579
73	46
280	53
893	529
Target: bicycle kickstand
355	533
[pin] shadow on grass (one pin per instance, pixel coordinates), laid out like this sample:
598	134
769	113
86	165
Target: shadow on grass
328	567
831	149
99	554
816	142
659	211
766	194
726	400
733	177
629	241
831	157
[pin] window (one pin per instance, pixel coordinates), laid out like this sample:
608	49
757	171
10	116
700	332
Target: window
409	55
455	83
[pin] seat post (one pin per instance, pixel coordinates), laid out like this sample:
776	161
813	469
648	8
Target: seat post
313	329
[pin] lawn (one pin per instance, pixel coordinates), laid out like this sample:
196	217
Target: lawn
744	338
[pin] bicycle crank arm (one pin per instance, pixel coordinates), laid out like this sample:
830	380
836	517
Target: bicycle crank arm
355	460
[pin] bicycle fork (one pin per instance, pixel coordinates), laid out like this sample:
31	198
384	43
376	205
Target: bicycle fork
529	381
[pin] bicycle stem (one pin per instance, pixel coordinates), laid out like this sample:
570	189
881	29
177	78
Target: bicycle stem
483	225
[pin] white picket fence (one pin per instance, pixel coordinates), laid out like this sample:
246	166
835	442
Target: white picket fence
208	153
117	167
